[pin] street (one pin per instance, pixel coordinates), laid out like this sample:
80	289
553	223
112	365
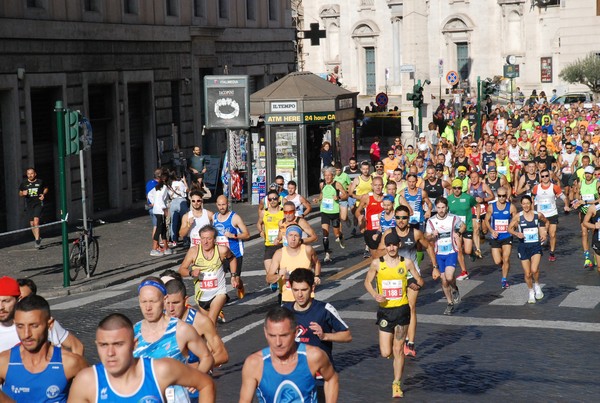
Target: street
495	347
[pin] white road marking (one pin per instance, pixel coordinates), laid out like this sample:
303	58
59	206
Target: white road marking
358	274
586	296
87	300
125	304
514	296
241	331
483	322
259	273
464	287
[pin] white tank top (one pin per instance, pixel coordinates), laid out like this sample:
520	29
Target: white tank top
199	222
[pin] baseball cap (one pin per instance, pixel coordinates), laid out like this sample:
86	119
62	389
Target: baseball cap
9	287
439	167
473	144
491	169
456	183
588	170
391	238
421	135
462	169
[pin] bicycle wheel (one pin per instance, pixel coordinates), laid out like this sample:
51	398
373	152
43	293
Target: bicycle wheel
93	253
75	260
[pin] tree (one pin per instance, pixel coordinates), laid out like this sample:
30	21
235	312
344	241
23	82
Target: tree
584	71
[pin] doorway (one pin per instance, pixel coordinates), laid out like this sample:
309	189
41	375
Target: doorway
100	104
139	128
314	141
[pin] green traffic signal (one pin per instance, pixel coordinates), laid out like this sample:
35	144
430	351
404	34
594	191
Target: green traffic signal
72	132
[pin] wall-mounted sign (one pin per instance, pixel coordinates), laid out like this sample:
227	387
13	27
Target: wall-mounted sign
546	69
345	103
299	118
226	102
284	106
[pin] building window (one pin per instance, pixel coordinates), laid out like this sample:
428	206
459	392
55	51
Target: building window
130	6
172	8
91	5
597	7
251	10
273	10
200	8
462	60
370	77
224	9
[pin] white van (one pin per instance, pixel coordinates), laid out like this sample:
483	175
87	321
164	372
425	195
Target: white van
574	97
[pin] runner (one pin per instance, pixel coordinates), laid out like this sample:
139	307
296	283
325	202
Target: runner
35	370
342	178
545	198
268	226
592	221
393	314
482	194
410	238
529	180
587	191
525	226
495	182
566	162
331	195
289	218
359	187
294	255
121	377
353	171
461	204
231	232
204	263
443	231
286	370
195	219
34	191
498	217
303	207
418	200
434	186
368	213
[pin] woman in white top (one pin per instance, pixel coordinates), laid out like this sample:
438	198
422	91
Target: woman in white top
158	200
177	189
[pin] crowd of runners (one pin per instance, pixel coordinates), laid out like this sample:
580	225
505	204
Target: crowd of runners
453	196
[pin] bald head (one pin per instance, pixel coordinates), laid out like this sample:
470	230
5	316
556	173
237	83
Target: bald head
222	204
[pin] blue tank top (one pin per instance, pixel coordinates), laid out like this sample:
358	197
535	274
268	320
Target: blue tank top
500	220
192	358
386	224
50	385
416	203
164	347
236	245
297	386
529	229
149	390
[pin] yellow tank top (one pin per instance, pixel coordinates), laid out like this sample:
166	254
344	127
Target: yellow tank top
271	225
363	186
391	283
290	263
212	275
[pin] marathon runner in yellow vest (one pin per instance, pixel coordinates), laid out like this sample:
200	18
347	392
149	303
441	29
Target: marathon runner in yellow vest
268	226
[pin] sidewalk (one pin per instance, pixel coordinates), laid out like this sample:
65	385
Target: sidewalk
124	254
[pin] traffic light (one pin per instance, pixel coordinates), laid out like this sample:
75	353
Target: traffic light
488	88
417	96
72	132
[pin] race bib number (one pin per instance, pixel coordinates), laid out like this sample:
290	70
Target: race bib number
209	281
195	241
392	289
375	221
272	235
415	218
327	204
501	226
222	240
531	235
502	170
567	170
445	244
587	198
544	207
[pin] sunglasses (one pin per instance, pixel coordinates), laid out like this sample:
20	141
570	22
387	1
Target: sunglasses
501	195
545	176
279	184
390	155
196	201
457	187
273	198
288	212
401	217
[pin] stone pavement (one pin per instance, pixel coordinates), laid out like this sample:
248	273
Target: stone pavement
125	245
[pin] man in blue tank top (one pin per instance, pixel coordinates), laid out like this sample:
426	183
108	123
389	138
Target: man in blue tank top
286	368
123	378
36	371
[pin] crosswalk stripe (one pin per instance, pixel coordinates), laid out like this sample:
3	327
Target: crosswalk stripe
487	322
464	287
87	300
586	296
516	295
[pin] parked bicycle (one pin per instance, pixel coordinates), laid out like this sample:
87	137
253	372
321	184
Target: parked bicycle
77	256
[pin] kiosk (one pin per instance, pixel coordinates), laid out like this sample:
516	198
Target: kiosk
295	115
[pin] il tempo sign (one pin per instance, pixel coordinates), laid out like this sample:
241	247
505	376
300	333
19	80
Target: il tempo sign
226	102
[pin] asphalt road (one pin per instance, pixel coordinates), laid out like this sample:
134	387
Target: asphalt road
495	347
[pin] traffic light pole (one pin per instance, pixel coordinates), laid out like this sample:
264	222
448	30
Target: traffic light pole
60	128
478	125
420	110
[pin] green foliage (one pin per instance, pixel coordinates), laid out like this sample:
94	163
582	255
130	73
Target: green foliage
584	71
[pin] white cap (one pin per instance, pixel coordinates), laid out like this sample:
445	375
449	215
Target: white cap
421	135
589	169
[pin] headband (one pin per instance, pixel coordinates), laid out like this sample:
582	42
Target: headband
293	228
153	283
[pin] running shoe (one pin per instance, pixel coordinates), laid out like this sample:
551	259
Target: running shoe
505	284
552	258
367	254
172	244
463	276
168	252
353	232
340	240
588	264
241	291
396	391
327	258
409	350
449	309
156	252
531	299
38	243
221	317
456	296
478	254
274	286
538	292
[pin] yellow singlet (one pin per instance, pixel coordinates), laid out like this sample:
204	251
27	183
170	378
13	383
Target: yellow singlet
291	263
363	186
271	225
391	283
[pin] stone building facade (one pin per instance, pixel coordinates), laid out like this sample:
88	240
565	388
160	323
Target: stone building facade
135	68
368	38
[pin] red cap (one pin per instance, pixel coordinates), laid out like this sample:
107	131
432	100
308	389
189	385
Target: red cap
9	287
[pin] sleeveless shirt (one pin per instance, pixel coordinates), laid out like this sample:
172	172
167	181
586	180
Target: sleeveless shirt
148	391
